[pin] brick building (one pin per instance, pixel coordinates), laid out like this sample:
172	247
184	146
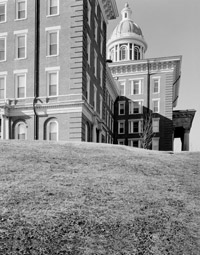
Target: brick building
53	70
149	88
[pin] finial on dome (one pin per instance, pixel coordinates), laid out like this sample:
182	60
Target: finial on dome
126	12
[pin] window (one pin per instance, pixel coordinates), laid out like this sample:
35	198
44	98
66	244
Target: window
155	125
21	42
121	141
101	75
88	12
134	126
101	107
136	87
95	98
135	107
53	7
156	105
21	9
88	49
2	86
95	63
3	7
122	87
21	131
88	89
95	30
137	52
121	127
2	49
155	143
134	143
52	81
156	85
52	130
121	108
53	41
20	83
123	53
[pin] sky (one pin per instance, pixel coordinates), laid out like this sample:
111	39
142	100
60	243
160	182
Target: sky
171	28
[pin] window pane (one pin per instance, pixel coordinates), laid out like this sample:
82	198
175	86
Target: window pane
2	12
52	84
20	86
21	10
21	132
53	44
53	7
53	131
2	49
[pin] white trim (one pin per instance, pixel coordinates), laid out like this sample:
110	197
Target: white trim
141	85
3	73
16	9
131	127
52	28
20	71
53	68
131	104
25	31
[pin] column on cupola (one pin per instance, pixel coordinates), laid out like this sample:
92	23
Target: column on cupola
118	50
128	55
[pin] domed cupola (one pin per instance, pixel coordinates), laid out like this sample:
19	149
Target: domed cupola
126	42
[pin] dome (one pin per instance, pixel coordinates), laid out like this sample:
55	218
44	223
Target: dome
127	31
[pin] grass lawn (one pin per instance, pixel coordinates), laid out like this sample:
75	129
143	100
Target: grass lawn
85	198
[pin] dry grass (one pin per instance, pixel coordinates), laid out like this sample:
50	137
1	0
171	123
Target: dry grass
81	198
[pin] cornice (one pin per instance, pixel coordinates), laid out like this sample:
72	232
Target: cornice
109	9
113	88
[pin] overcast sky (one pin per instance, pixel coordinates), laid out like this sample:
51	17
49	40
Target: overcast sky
171	28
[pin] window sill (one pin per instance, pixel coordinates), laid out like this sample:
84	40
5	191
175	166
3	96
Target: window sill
51	56
16	59
20	19
54	15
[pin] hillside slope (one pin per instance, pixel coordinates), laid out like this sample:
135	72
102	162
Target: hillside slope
84	198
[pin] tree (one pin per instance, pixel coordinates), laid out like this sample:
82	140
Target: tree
147	131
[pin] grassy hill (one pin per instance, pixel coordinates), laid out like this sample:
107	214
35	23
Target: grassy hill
84	198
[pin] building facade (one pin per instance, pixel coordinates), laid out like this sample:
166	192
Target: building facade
53	69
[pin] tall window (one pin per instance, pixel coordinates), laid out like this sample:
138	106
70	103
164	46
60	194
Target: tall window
2	87
137	53
135	107
52	130
121	127
101	107
155	125
95	98
88	89
88	49
20	83
134	143
156	85
21	131
121	108
136	87
2	49
156	105
21	46
21	9
122	87
95	63
134	126
89	12
101	75
3	12
53	7
52	41
52	83
123	53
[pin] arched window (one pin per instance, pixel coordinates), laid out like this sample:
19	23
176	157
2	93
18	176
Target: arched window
51	130
123	53
136	53
21	131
